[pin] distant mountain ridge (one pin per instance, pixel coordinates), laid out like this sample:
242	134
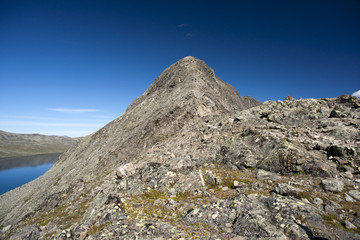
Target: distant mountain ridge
14	144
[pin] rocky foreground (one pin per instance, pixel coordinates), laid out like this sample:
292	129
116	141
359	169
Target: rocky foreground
184	162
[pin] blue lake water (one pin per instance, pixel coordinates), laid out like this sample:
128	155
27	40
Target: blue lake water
15	177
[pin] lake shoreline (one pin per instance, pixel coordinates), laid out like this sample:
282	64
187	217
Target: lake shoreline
7	163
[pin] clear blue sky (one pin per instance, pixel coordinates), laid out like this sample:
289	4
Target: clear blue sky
69	67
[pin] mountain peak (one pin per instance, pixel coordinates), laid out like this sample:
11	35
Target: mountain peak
186	70
191	82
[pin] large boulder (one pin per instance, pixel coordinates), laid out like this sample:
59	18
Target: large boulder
332	185
125	170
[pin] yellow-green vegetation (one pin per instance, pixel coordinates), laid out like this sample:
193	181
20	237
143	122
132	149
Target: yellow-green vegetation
63	215
305	195
144	207
49	235
229	176
141	204
151	195
353	206
160	137
182	196
338	223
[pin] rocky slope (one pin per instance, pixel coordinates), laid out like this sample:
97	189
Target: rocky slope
14	145
190	159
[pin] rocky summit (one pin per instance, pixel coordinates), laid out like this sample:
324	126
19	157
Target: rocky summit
191	159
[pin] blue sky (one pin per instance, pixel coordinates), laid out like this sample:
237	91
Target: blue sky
69	67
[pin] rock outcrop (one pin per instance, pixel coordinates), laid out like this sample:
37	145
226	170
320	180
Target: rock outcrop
190	158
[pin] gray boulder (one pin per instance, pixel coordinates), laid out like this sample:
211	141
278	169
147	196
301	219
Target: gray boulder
332	185
286	189
125	170
355	194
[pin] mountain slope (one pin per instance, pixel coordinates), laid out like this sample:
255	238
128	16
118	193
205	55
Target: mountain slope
183	92
187	159
13	144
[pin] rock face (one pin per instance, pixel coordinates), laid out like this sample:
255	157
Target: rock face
190	158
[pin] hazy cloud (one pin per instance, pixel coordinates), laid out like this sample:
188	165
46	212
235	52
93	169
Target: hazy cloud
356	94
73	110
188	35
183	25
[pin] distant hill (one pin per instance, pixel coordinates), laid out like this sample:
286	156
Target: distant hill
13	144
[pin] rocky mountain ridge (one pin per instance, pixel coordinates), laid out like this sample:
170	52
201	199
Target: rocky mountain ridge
190	158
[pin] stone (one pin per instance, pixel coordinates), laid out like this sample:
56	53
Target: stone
330	209
348	168
125	170
237	238
263	174
259	186
212	178
354	194
318	201
348	198
347	174
356	222
286	189
349	225
332	185
5	229
228	225
334	204
236	184
83	235
334	114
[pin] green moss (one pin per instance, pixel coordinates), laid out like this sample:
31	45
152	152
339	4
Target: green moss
152	195
49	235
160	137
338	223
182	196
246	181
302	195
299	174
61	215
329	217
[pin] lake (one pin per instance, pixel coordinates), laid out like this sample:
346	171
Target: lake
17	171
